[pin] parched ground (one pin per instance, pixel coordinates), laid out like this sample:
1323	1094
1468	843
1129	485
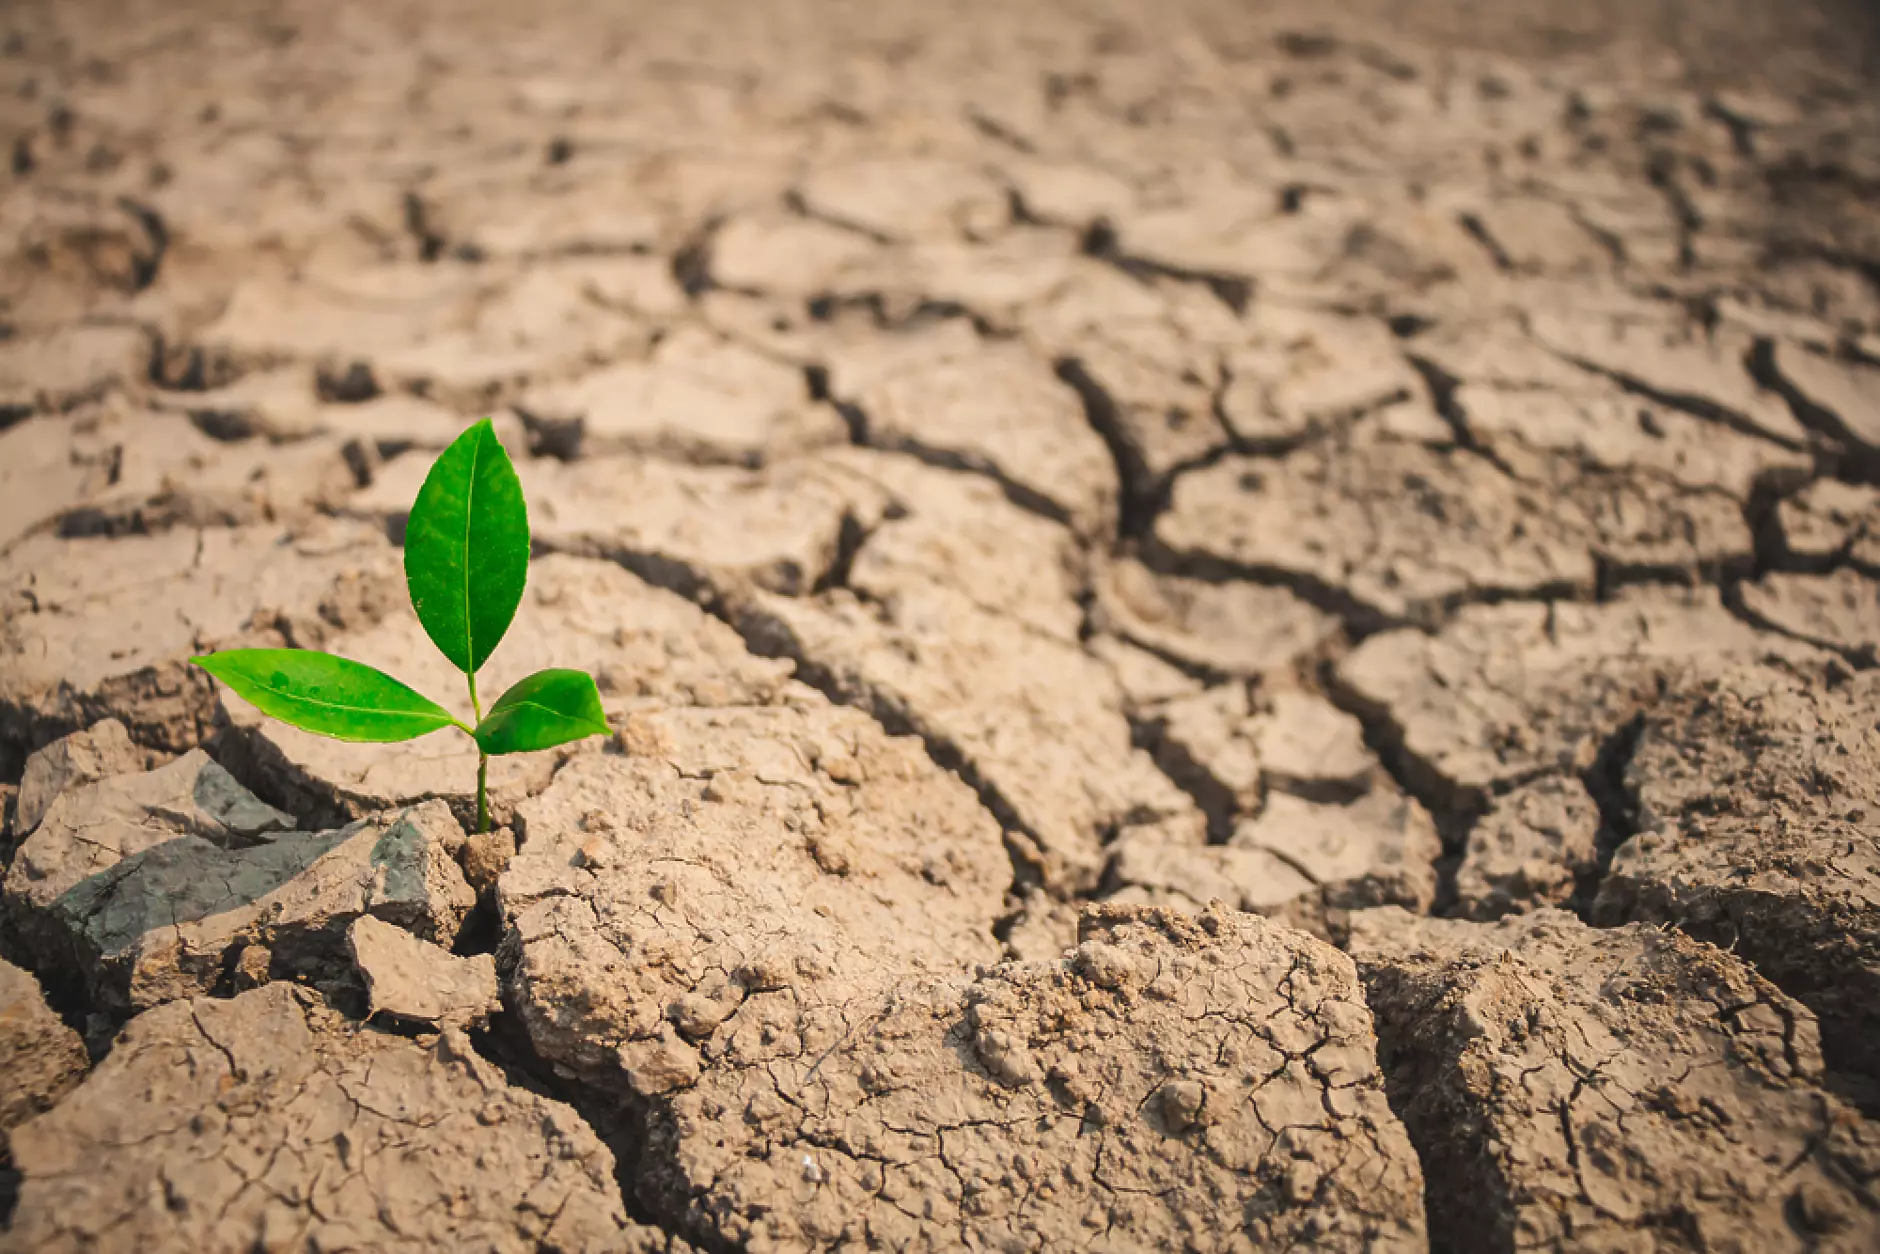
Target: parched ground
1227	627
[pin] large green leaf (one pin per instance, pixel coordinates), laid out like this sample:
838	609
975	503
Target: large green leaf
467	548
548	708
326	694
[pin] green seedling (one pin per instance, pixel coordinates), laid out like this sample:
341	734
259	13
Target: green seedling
466	561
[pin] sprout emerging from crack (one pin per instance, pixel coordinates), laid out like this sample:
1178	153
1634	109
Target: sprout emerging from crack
466	561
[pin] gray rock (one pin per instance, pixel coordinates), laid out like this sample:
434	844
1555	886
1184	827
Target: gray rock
143	889
91	825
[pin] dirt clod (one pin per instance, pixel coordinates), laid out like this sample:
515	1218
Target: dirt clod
734	853
101	750
1571	1088
414	980
219	1105
42	1058
1531	848
102	627
1757	798
1166	1074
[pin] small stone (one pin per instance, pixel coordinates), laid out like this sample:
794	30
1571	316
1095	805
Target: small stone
1184	1105
413	979
252	966
486	856
103	749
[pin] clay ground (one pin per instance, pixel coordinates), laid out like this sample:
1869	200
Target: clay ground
1228	627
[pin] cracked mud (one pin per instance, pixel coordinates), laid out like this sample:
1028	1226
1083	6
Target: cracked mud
1244	629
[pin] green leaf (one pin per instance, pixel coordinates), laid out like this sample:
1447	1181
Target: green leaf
467	548
327	695
548	708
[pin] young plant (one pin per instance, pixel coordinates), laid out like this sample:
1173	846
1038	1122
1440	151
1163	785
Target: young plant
466	560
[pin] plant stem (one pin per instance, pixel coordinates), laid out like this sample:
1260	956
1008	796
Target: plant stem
483	793
483	762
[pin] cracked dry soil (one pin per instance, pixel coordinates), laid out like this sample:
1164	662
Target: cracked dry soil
1223	632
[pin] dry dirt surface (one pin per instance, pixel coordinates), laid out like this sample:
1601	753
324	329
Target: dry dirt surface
1227	627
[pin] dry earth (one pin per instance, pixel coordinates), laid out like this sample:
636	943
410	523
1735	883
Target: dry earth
1223	632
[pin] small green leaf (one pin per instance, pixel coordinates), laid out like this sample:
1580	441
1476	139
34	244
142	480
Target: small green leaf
327	695
467	548
548	708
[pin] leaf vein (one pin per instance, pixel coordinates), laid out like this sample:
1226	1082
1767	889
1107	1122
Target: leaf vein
469	512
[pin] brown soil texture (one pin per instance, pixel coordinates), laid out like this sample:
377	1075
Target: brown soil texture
1226	627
